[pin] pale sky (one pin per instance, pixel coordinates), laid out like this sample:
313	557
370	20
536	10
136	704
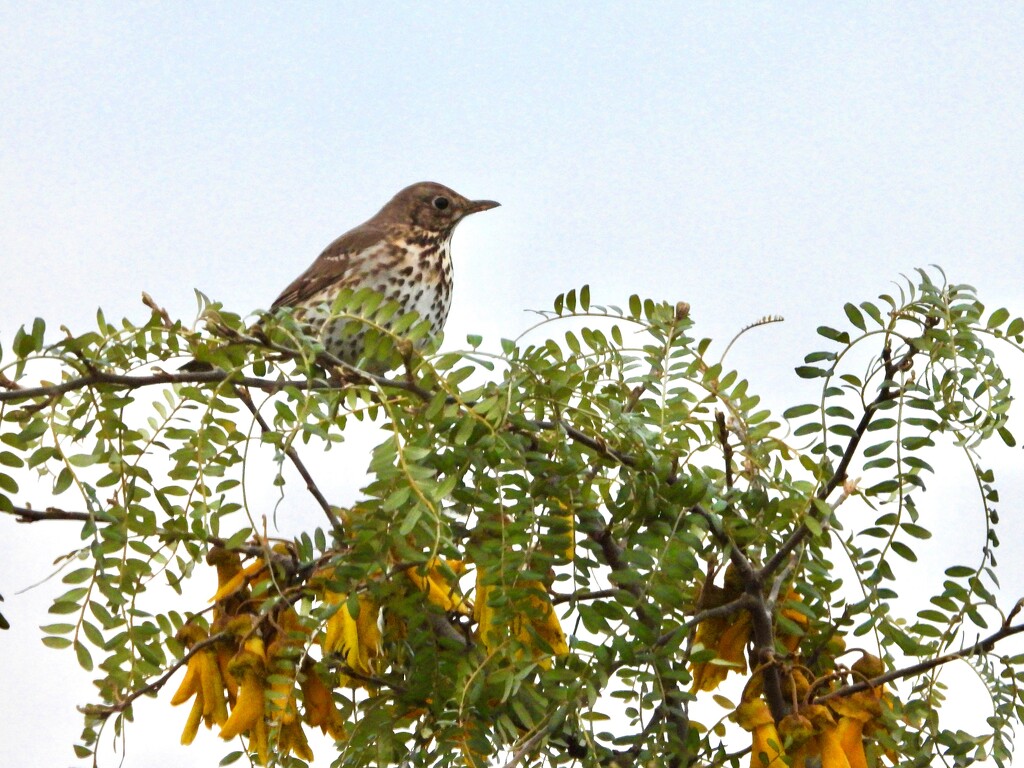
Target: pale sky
749	158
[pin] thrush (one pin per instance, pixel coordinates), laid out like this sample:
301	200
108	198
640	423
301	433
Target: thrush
403	252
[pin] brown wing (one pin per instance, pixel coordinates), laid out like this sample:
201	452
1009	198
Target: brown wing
338	263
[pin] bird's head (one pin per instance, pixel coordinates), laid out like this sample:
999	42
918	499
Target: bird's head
431	206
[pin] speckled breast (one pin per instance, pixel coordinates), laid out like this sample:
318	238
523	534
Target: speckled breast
416	274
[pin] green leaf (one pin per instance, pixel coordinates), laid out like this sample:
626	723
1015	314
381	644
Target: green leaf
58	629
854	316
635	307
914	443
959	571
916	531
877	448
904	551
77	576
997	318
9	459
842	337
396	499
63	481
872	311
810	372
8	484
799	410
410	520
570	300
84	657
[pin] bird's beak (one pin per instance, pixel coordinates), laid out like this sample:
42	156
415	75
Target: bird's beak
475	206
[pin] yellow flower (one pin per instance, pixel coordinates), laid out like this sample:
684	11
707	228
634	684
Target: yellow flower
728	636
236	580
229	566
356	638
855	712
320	710
203	681
850	733
825	743
537	619
438	589
249	668
487	628
292	740
281	709
766	746
541	617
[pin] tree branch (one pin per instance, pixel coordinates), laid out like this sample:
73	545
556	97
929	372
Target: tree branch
980	648
595	444
28	515
760	614
521	751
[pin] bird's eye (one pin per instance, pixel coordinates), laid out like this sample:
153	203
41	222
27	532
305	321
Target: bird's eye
441	203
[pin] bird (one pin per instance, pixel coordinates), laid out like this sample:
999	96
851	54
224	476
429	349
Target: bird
403	252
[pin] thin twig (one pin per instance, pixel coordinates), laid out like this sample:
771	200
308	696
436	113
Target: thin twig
291	453
838	477
726	609
582	595
522	750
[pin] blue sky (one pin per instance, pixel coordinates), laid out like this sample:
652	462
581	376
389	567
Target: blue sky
749	158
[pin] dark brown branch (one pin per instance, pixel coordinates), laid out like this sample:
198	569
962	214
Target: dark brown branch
16	393
673	703
133	381
27	515
595	444
980	648
736	556
764	649
723	438
760	614
216	376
